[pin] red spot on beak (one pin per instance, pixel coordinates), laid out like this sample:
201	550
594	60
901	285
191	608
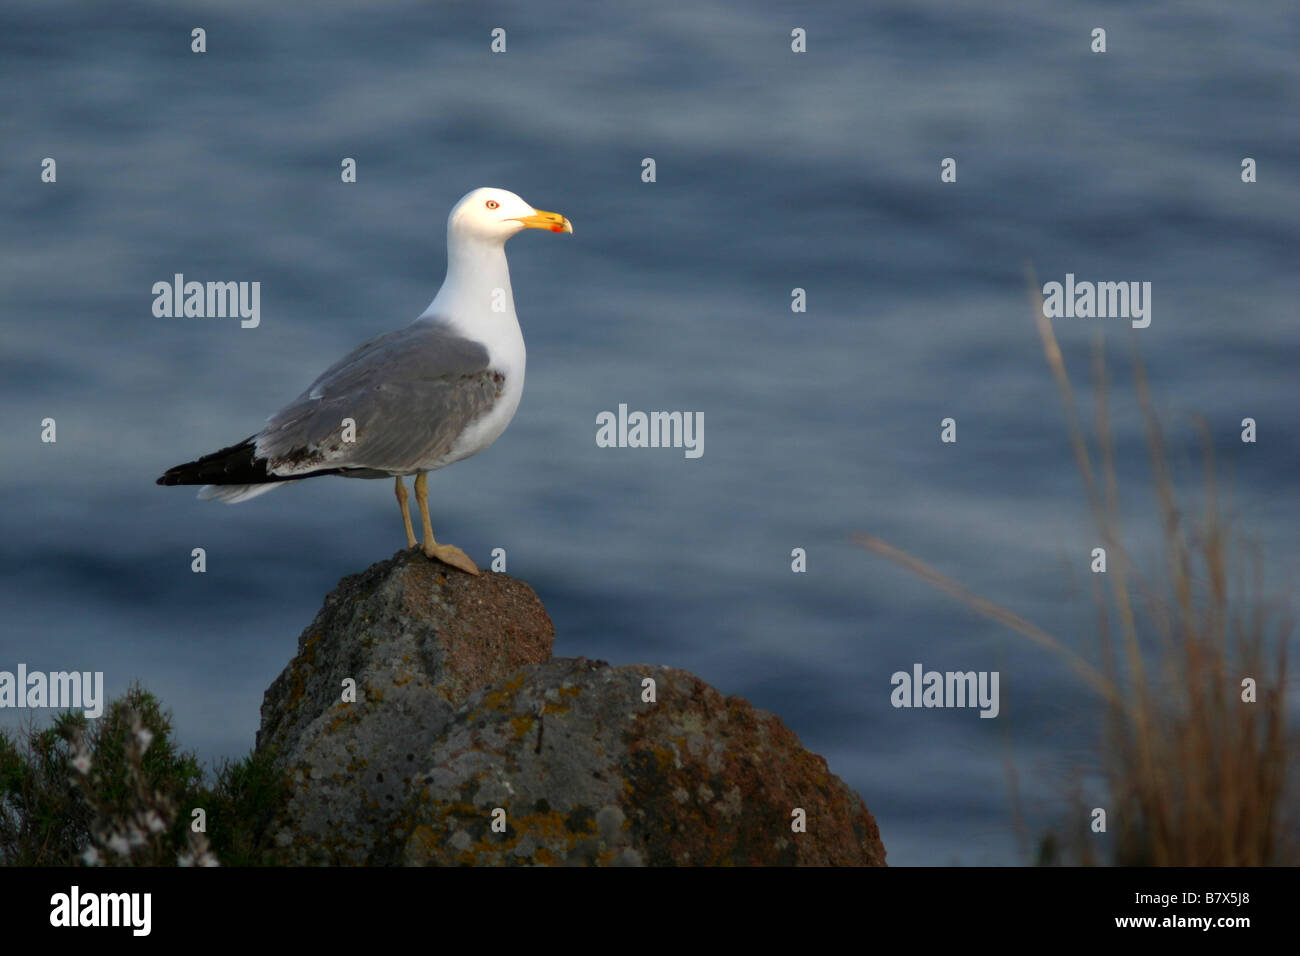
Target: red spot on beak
557	228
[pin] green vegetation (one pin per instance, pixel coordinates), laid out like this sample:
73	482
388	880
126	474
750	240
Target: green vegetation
117	791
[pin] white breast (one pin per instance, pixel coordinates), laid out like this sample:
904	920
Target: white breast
478	279
506	354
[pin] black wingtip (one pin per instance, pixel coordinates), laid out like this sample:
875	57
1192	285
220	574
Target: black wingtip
178	474
235	465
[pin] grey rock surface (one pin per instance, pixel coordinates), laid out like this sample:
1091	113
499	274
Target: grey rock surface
468	745
579	768
417	638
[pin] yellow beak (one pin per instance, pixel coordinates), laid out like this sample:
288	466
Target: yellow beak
546	220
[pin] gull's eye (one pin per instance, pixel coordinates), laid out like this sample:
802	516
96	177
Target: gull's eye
492	204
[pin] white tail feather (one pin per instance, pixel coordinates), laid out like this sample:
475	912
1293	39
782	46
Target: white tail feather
233	494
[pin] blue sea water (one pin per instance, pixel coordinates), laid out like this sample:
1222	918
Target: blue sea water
775	170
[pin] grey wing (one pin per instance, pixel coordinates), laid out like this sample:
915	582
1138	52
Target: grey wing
408	394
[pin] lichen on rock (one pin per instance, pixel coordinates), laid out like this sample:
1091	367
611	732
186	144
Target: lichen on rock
468	745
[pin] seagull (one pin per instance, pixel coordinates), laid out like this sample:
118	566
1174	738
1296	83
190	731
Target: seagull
407	402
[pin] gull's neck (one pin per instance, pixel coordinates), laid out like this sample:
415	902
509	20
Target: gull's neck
476	268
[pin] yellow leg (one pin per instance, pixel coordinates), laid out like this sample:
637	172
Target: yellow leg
406	513
446	553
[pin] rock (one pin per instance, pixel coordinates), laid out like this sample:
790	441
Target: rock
462	721
417	637
589	773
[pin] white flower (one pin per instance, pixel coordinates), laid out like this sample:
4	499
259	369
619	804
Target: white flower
90	857
154	822
135	836
207	859
145	736
117	843
185	859
82	763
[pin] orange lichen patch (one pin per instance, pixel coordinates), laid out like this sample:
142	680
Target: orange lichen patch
503	695
522	724
562	705
548	833
545	857
343	716
306	657
425	838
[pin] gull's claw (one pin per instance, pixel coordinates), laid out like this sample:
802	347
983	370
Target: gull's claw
450	554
